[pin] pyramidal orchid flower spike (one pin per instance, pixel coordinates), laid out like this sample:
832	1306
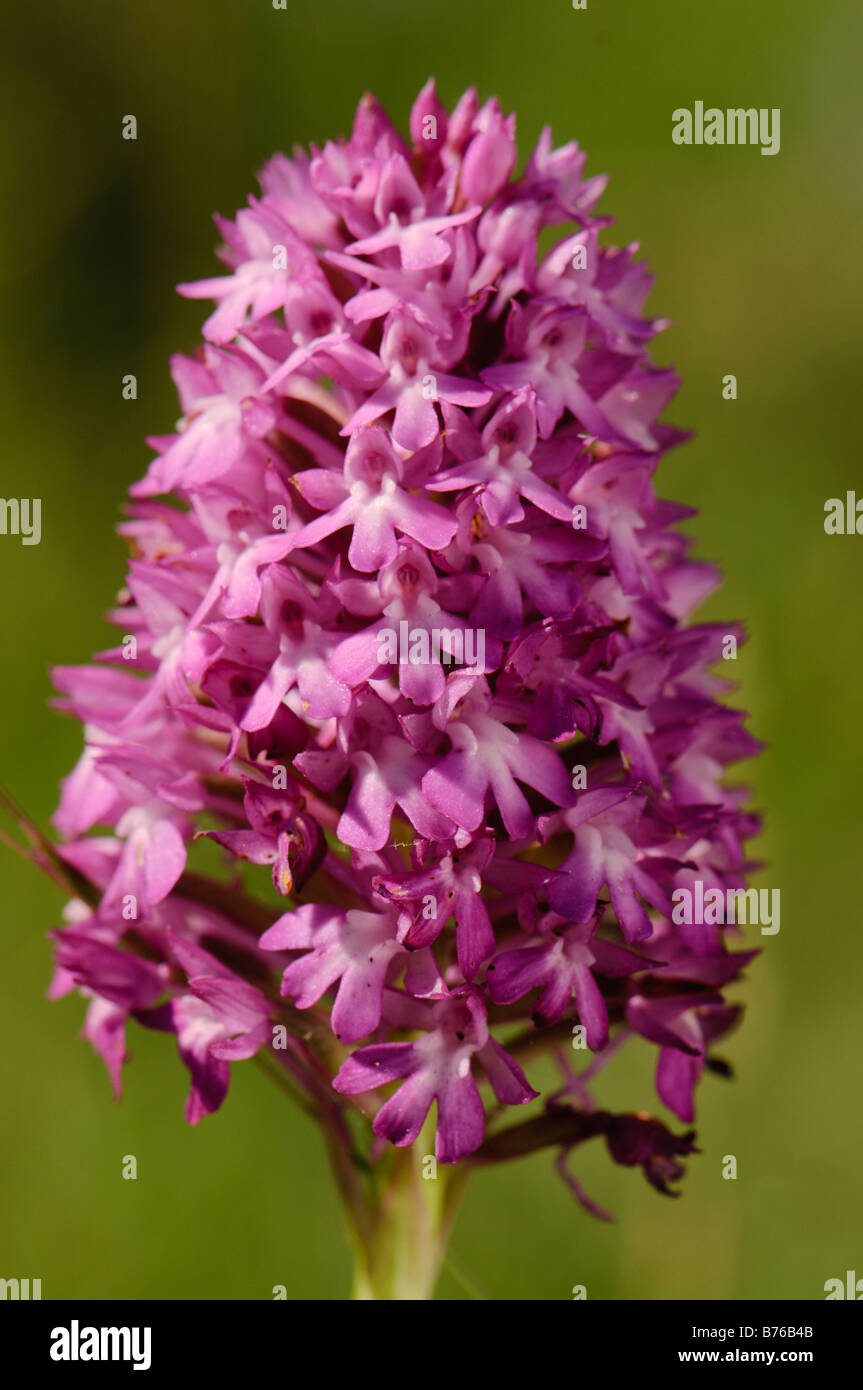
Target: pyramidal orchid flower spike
407	648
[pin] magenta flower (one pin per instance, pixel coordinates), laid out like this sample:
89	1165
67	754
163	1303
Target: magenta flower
408	437
355	949
278	833
371	500
438	1068
564	965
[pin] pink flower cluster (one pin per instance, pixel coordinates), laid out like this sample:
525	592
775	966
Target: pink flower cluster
409	414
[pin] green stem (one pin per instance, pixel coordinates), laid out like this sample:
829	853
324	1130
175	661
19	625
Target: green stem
404	1248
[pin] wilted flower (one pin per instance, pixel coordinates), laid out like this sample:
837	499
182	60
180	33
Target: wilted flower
408	414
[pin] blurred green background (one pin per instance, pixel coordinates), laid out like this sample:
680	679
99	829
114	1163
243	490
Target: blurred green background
758	264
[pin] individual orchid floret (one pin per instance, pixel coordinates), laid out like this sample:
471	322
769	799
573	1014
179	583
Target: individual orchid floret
370	499
561	966
487	759
353	948
438	1068
279	833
